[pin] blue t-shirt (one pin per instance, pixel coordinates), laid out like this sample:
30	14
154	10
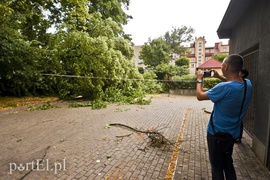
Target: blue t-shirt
227	98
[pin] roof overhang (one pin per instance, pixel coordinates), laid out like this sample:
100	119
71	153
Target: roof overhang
234	12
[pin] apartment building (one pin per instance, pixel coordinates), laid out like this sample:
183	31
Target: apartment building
198	53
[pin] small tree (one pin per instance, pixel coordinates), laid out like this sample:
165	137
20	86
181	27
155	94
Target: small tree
184	61
155	52
164	70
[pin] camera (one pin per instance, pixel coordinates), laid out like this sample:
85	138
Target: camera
207	73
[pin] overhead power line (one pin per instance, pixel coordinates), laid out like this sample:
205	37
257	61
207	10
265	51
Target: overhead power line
122	79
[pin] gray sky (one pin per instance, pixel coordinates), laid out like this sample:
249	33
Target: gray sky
152	18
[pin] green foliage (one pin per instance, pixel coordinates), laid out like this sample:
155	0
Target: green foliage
166	72
184	61
141	70
155	52
220	57
189	82
184	82
98	104
121	109
80	104
163	71
209	83
111	8
42	107
99	60
19	72
177	36
88	46
151	85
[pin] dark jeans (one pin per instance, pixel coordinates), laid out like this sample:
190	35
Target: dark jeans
221	162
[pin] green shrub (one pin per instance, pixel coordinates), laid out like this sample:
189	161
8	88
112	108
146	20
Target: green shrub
184	82
208	83
150	85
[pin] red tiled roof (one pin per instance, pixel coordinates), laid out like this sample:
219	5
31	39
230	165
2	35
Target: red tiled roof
211	63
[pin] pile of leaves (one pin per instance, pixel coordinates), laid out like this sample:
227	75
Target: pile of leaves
42	107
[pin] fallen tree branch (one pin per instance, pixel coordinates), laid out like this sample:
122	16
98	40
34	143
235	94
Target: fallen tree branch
157	139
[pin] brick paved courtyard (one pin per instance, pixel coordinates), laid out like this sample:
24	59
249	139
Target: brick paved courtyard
77	143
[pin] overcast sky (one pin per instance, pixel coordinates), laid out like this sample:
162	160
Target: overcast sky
152	18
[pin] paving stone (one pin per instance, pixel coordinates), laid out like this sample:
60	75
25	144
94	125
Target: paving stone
91	151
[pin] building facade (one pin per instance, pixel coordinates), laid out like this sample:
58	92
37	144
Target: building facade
198	53
136	60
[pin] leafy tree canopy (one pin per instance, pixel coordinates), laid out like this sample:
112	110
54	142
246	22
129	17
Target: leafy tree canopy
155	52
184	61
220	57
177	36
160	50
88	42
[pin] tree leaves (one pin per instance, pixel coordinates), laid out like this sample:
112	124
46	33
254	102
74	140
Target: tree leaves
155	52
88	42
177	36
160	50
